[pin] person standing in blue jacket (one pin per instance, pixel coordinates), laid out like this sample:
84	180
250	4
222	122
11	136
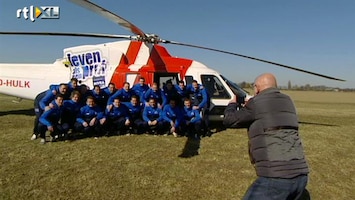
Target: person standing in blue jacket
153	116
110	89
100	96
155	93
41	101
117	117
49	120
192	123
200	100
72	85
50	95
169	92
90	119
135	110
140	89
123	94
174	116
182	91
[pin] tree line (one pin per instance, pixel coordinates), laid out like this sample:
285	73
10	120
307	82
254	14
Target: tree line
306	87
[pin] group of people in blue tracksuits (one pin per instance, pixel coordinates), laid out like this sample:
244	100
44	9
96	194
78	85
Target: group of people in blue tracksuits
69	110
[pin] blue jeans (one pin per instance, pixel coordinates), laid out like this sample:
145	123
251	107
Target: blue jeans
265	188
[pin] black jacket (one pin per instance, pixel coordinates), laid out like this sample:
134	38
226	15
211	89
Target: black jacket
274	144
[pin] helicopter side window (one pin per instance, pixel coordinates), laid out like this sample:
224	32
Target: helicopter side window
188	80
162	78
214	87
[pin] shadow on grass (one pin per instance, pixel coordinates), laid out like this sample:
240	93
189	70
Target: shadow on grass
28	112
316	123
191	147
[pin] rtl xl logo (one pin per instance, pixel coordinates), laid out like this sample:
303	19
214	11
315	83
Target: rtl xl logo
42	12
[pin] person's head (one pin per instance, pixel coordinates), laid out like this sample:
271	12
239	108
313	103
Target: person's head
116	102
169	85
152	102
126	86
90	101
141	81
111	87
97	89
195	84
172	103
63	87
264	81
59	99
83	88
74	82
134	100
187	102
75	95
181	84
155	86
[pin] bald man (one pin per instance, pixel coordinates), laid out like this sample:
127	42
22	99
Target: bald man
275	147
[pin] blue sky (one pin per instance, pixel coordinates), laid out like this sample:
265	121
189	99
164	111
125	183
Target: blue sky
314	35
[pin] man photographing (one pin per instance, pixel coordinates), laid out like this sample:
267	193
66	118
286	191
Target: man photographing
275	147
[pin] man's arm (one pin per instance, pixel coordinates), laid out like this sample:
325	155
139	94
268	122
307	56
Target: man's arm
234	118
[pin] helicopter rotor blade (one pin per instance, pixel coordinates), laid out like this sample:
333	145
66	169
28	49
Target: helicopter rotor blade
253	58
95	35
111	16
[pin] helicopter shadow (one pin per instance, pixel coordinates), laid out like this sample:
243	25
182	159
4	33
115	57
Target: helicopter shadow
27	112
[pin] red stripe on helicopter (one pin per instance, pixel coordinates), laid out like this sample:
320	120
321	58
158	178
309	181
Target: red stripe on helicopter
119	76
159	61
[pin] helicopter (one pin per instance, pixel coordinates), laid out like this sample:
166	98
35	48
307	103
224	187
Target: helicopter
137	55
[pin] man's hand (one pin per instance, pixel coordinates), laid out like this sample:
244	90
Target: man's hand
50	128
92	121
195	107
127	122
85	124
102	121
109	107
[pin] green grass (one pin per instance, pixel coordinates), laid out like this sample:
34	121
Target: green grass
148	167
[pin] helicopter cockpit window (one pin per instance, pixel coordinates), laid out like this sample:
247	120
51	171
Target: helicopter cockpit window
214	87
235	88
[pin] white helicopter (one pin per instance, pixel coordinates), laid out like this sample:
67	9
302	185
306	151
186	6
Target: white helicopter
140	55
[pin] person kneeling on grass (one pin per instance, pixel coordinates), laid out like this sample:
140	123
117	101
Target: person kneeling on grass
117	118
135	109
90	119
192	123
174	116
153	117
49	120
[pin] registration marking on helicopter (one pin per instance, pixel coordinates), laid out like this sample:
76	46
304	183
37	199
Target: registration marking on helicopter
14	83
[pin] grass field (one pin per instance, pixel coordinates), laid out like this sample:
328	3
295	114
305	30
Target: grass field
148	167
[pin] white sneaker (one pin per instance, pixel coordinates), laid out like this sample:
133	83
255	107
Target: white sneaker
34	136
175	134
43	141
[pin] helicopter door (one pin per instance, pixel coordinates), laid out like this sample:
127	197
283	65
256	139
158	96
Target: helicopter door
162	78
